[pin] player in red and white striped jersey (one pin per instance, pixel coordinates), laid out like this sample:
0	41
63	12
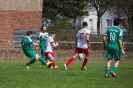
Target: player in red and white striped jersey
49	49
82	43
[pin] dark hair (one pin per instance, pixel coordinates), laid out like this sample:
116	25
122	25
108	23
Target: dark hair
29	33
42	27
84	24
117	21
52	32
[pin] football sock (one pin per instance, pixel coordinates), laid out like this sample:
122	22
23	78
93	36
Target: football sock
107	70
85	62
114	68
31	62
53	62
41	59
69	61
46	59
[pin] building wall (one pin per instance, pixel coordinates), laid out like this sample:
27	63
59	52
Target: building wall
93	25
24	5
104	23
19	14
92	21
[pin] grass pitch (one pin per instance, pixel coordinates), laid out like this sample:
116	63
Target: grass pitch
15	75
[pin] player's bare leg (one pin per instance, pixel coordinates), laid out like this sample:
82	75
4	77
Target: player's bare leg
70	60
31	62
51	58
85	62
107	69
42	60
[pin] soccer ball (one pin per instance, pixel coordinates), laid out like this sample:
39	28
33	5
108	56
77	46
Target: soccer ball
80	56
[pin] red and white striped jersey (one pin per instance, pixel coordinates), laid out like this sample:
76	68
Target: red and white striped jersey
49	44
81	38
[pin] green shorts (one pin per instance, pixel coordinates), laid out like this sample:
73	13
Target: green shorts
30	53
113	51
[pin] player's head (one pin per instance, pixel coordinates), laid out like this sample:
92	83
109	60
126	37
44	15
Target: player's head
117	21
85	24
29	33
43	28
53	33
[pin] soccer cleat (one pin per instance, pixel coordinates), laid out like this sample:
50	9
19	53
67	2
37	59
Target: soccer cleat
27	67
84	68
113	74
65	67
55	67
48	63
50	66
106	75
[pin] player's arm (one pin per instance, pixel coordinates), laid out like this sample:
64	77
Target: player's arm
104	41
77	36
36	44
120	43
55	44
121	47
87	39
76	40
45	37
38	40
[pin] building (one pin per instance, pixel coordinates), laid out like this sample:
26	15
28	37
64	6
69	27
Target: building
106	21
18	14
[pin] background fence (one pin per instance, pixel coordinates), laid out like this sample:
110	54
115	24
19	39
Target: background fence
62	52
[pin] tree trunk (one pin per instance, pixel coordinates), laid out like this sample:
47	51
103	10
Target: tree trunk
130	21
98	27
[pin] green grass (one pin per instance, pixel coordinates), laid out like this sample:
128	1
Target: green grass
15	75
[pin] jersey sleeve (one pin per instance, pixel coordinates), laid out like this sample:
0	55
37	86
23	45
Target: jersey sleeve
30	40
51	41
38	37
120	35
88	33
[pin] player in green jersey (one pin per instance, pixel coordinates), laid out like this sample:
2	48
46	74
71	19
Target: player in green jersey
29	52
41	40
114	47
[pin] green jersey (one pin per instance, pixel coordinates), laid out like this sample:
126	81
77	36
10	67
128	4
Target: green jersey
42	37
113	34
26	43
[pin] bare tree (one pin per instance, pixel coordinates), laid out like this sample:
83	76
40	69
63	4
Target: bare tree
128	9
115	9
100	6
122	9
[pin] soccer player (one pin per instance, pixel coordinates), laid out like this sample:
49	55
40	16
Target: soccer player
49	49
29	52
42	39
82	45
113	35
